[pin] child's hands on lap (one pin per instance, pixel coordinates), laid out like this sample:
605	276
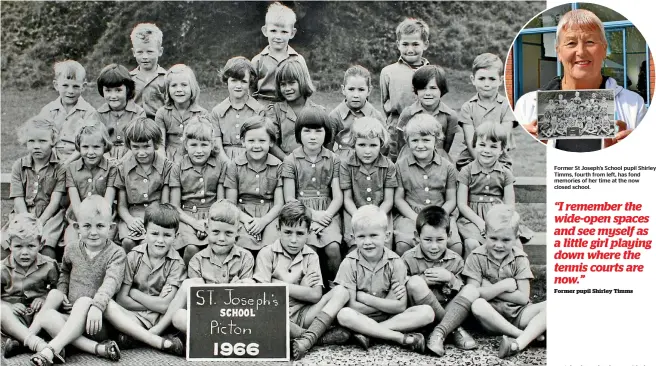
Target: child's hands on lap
136	225
94	320
322	217
198	225
437	275
255	227
36	304
316	227
18	308
66	305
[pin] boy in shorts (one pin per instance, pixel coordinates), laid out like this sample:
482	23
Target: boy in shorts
279	29
289	260
435	280
26	278
501	272
375	278
149	77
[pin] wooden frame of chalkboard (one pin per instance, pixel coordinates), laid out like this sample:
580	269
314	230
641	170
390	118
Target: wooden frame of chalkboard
238	322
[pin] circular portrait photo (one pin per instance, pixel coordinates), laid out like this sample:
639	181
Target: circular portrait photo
580	77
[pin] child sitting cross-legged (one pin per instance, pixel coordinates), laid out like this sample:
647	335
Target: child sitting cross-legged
153	274
92	271
376	277
435	280
289	260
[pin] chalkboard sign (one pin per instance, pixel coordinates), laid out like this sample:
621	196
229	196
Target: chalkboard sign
238	322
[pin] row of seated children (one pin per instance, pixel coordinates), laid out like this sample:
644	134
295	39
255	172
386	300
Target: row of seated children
377	294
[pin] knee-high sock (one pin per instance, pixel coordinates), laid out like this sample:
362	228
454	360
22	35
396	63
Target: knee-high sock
456	313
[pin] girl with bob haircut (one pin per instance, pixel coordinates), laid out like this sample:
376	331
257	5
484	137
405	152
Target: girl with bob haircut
293	87
116	86
181	104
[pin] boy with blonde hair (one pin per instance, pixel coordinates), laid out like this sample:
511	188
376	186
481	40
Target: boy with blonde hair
69	110
26	278
149	77
375	278
396	79
501	272
487	105
279	29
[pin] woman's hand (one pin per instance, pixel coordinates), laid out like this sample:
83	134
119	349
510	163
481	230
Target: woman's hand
622	133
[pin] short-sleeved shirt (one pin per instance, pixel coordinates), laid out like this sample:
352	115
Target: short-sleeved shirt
396	87
237	265
89	182
480	266
265	66
273	262
417	263
23	285
116	121
355	273
284	119
67	123
198	185
254	186
228	120
475	114
142	188
343	118
170	119
368	185
445	116
148	278
425	185
485	185
313	179
36	187
150	93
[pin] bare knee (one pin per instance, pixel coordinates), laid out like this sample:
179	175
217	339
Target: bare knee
179	320
45	318
346	317
6	310
469	292
479	306
333	251
401	248
471	244
128	244
426	313
83	302
415	285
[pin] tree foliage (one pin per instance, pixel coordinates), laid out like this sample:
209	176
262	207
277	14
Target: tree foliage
204	35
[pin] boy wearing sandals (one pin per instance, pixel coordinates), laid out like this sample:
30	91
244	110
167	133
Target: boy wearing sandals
26	278
153	274
501	272
435	280
92	271
376	277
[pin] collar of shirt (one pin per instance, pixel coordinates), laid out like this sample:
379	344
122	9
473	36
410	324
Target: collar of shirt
38	262
27	162
241	159
79	164
477	168
290	51
225	105
343	110
437	159
234	252
424	62
143	249
81	105
136	73
186	163
476	98
131	106
416	108
387	257
515	252
289	112
194	107
300	154
158	163
276	247
380	161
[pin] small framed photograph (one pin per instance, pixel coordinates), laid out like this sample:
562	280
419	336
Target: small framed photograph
576	114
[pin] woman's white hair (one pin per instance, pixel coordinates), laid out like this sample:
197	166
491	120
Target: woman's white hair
583	19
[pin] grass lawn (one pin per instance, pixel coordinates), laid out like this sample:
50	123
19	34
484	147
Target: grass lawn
529	158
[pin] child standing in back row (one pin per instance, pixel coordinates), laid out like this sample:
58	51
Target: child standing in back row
356	90
486	106
396	79
278	29
229	115
149	77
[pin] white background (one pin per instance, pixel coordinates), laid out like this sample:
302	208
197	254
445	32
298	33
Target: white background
618	329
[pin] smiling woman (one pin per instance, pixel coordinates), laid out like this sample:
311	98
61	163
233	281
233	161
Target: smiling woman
581	46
